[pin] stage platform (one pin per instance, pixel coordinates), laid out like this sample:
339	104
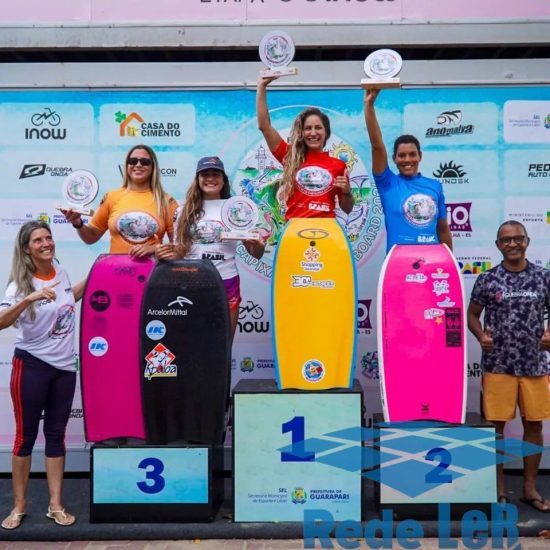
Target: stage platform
37	527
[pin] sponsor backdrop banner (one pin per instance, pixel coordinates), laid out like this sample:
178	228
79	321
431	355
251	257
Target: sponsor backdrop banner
98	11
489	147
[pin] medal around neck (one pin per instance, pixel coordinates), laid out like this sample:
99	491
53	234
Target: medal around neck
79	189
382	68
240	215
277	52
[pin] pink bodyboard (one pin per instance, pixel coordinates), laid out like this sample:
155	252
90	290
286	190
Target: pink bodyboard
422	335
109	347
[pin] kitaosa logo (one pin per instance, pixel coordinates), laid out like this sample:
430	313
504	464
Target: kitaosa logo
155	330
98	346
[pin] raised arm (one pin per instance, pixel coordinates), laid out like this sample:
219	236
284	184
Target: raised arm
379	153
272	137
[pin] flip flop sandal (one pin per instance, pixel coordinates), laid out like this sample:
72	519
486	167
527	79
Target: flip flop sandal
60	517
13	521
531	502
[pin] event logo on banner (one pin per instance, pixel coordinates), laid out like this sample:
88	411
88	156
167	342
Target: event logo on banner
449	124
527	121
52	124
159	124
458	218
258	176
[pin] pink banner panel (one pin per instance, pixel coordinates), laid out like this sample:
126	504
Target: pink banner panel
52	11
475	9
303	10
169	10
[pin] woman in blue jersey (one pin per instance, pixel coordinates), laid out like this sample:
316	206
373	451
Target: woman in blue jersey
414	206
40	303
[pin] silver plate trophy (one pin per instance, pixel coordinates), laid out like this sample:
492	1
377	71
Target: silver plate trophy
277	52
240	215
79	189
382	68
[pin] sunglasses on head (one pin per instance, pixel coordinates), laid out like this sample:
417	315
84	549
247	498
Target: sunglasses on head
133	161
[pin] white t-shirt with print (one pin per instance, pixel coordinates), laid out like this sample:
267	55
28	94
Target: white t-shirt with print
206	239
51	336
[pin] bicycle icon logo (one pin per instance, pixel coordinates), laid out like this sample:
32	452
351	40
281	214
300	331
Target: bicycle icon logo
255	310
49	116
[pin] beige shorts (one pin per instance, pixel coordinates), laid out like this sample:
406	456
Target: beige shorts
502	393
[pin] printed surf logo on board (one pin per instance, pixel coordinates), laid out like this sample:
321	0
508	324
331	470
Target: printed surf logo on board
46	125
364	325
251	317
451	173
449	124
155	330
305	281
100	300
134	125
312	254
160	363
415	278
98	346
458	218
313	370
180	301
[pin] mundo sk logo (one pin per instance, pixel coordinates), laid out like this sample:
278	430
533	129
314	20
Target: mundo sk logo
258	177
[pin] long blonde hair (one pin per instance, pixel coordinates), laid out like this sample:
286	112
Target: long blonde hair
159	194
22	266
192	211
297	151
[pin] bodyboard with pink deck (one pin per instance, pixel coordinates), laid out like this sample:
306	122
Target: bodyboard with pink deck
109	347
422	335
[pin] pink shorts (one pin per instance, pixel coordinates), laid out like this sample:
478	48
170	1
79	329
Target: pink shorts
233	291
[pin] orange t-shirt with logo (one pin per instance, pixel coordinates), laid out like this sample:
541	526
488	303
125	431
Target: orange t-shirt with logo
132	218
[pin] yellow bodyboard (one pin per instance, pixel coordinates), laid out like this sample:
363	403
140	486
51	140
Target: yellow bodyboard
314	306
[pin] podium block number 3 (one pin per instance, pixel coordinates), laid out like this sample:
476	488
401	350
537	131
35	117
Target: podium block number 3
155	482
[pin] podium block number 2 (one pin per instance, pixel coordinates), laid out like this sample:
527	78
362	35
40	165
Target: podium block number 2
155	482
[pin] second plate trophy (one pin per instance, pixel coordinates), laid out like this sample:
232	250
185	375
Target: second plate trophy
382	68
277	52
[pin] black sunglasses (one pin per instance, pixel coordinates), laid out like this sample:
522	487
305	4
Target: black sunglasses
133	161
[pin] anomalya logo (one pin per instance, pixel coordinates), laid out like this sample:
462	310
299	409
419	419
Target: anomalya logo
449	123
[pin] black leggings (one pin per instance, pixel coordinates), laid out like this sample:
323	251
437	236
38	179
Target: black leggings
36	386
